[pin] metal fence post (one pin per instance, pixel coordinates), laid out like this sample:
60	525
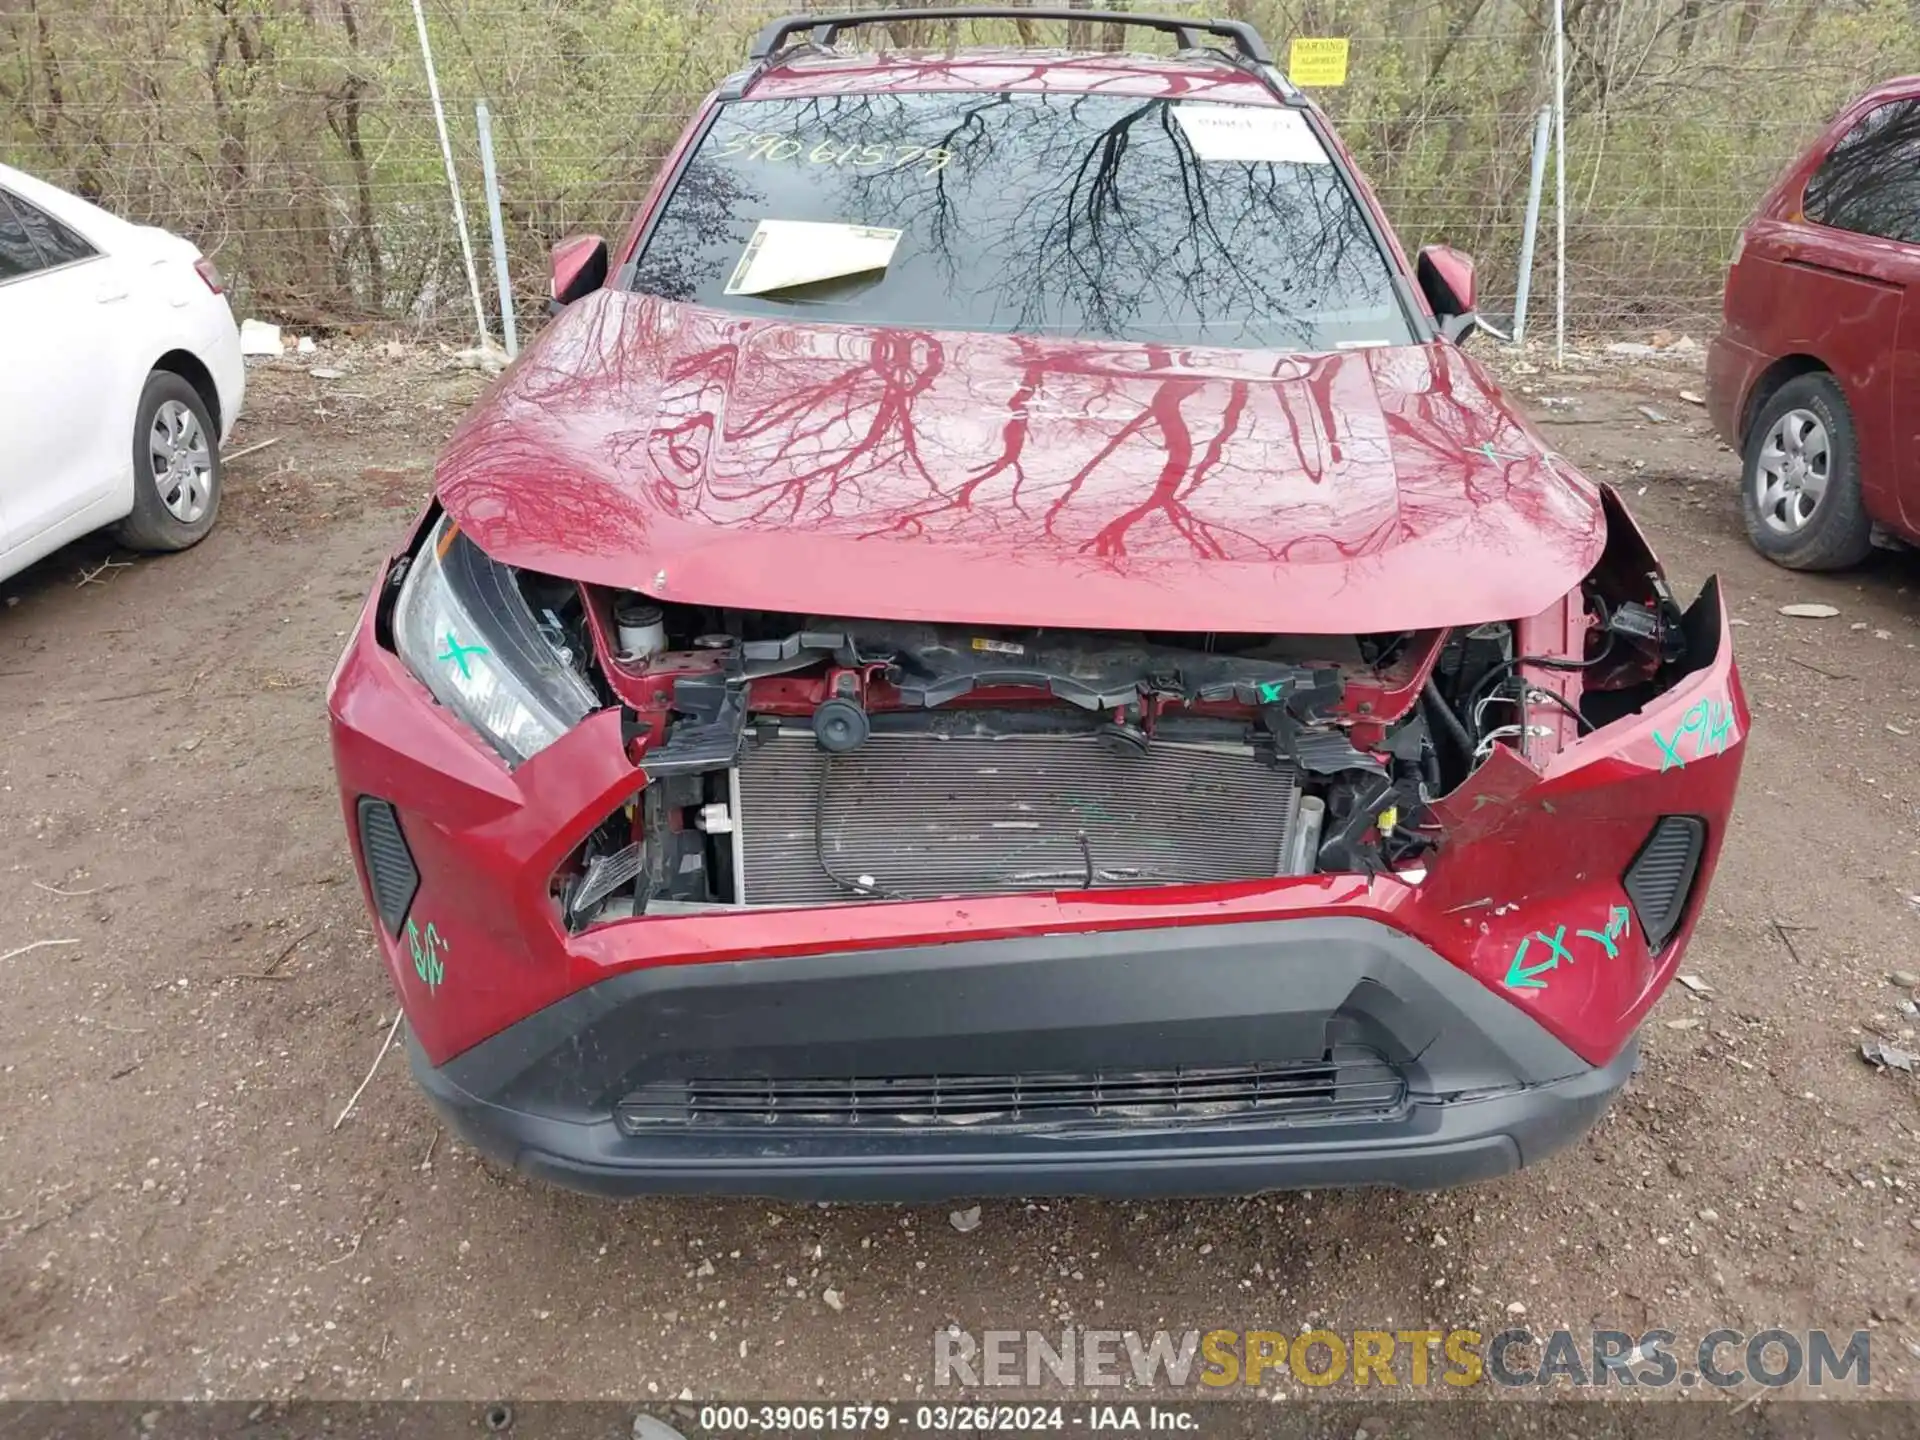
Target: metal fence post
1560	182
501	277
1542	133
453	179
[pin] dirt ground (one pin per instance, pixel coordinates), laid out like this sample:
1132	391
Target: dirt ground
180	1217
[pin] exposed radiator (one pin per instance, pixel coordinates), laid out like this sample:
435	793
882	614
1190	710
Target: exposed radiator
917	816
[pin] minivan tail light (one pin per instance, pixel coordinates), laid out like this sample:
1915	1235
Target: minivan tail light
210	273
1739	248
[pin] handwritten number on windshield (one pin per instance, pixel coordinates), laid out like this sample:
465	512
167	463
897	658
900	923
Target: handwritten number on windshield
760	146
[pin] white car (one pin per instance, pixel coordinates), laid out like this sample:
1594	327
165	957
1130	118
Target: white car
120	374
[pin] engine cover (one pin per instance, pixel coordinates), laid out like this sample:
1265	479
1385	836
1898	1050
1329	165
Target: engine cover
920	815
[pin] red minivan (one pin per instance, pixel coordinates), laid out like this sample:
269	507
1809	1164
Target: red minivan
1815	375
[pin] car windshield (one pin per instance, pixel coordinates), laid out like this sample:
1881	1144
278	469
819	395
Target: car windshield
1104	217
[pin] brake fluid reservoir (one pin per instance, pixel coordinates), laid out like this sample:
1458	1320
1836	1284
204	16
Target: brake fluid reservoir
640	627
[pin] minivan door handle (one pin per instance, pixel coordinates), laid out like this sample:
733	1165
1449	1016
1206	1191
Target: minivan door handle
109	291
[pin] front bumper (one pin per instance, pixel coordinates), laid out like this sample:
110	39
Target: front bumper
1505	981
1483	1088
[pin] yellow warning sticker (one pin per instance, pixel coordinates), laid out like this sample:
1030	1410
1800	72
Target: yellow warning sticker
1317	62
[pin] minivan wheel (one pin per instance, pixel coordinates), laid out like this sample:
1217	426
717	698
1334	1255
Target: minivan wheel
176	468
1800	489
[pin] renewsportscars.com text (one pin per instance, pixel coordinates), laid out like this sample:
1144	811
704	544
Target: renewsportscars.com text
1224	1359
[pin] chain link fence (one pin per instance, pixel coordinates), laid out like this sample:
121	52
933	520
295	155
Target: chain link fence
293	139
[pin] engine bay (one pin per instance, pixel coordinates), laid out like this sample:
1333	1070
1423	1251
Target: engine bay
804	760
791	759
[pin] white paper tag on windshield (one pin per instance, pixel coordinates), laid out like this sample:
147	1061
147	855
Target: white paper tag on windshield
1250	134
786	253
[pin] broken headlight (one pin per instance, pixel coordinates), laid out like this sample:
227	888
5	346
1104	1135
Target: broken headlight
464	628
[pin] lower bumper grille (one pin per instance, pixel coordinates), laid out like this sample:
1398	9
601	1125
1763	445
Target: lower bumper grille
390	870
924	815
1351	1084
1661	876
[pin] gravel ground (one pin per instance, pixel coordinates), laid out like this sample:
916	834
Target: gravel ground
180	1215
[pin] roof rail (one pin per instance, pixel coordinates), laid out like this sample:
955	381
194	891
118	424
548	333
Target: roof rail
824	28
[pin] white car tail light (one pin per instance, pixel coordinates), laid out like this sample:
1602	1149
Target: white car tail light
208	272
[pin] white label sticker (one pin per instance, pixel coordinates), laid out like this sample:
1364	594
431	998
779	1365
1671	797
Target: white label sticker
1250	134
785	253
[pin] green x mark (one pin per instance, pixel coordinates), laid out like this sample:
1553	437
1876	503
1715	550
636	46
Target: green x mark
1521	976
458	653
1670	756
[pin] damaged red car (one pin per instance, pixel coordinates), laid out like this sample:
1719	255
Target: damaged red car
999	643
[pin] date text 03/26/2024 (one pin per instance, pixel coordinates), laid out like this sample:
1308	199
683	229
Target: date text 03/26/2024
960	1418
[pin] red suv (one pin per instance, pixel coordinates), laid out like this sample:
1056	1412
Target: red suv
1815	376
1003	646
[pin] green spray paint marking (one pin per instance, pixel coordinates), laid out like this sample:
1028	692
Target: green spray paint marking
1709	722
1485	449
1272	691
458	653
1519	977
1616	927
1522	976
427	950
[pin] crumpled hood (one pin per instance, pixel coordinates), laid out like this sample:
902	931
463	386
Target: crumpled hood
708	458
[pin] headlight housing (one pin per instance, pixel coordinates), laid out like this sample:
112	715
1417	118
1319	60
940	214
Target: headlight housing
463	627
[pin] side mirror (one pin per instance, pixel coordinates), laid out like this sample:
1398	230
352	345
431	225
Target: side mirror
1446	279
579	268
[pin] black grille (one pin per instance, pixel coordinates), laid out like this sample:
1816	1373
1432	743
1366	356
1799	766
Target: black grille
1661	876
390	871
1350	1084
